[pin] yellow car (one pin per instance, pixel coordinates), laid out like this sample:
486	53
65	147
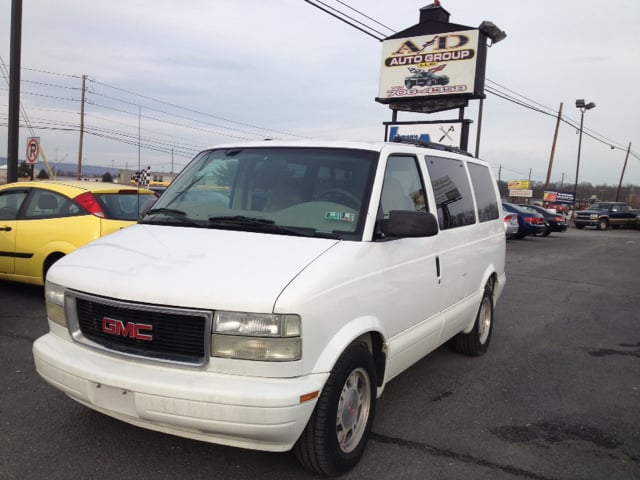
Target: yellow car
42	221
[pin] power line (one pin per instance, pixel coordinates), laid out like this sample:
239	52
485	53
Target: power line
344	20
594	135
193	111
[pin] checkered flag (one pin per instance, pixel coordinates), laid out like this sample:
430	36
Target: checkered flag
142	177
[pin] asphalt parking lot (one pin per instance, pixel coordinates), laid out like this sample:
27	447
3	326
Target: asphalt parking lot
556	397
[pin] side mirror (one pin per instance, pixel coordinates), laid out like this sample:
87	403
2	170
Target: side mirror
403	223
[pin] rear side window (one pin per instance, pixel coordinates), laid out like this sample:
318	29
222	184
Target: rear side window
452	191
49	204
483	188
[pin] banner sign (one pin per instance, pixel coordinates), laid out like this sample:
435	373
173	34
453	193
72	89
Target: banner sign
519	184
521	193
567	198
444	134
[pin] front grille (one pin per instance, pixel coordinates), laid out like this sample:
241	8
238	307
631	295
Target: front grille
156	332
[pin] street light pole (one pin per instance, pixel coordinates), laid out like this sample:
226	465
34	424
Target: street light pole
583	108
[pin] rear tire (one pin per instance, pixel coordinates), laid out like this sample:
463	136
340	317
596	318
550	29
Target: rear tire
476	342
336	436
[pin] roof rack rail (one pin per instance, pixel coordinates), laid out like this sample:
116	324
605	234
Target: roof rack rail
435	146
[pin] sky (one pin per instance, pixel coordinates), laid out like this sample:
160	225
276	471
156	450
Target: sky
168	78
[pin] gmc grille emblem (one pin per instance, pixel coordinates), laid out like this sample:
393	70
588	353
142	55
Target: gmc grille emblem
129	329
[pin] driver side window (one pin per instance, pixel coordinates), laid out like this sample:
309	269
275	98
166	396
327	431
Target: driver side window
402	188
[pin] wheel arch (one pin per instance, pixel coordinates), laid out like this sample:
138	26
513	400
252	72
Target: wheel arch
365	330
492	280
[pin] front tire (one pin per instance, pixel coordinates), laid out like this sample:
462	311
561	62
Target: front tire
603	224
476	342
336	435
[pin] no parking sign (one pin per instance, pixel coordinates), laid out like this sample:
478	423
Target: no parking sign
33	149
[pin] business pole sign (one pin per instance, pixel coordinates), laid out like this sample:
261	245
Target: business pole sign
443	64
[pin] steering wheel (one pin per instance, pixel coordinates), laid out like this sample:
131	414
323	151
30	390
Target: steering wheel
337	195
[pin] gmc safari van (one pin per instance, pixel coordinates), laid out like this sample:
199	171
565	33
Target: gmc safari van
274	289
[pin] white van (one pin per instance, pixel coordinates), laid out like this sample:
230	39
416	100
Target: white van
274	289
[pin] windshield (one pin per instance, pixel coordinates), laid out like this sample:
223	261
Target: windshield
599	206
288	191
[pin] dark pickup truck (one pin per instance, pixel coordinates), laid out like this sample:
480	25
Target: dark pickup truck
607	214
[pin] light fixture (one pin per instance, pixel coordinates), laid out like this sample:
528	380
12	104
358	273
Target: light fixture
492	31
580	103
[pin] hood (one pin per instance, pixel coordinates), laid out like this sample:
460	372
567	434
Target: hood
189	267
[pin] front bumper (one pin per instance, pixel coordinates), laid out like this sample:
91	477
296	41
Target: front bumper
587	222
248	412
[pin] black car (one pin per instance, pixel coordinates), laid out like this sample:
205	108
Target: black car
555	222
424	77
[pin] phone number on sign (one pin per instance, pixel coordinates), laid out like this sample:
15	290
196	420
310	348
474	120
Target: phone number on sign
404	92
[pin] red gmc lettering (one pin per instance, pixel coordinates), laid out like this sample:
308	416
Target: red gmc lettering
129	329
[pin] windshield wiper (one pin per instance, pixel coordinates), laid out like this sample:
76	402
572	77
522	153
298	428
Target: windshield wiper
259	224
173	213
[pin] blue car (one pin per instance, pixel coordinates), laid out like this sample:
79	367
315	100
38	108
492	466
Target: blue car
530	223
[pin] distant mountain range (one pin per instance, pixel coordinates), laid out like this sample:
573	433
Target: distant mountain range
71	168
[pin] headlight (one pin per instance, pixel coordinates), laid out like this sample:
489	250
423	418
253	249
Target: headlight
256	336
54	302
594	216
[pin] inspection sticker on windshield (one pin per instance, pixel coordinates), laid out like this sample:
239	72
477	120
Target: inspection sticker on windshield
340	216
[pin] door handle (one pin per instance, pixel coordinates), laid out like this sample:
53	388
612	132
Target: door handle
5	229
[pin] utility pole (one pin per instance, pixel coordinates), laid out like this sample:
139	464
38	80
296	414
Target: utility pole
14	91
553	147
84	82
622	175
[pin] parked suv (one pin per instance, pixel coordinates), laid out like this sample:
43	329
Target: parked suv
602	215
274	289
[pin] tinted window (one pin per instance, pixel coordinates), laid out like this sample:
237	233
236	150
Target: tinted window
483	188
452	191
124	206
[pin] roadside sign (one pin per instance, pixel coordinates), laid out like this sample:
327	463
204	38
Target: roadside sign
520	193
519	184
33	149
